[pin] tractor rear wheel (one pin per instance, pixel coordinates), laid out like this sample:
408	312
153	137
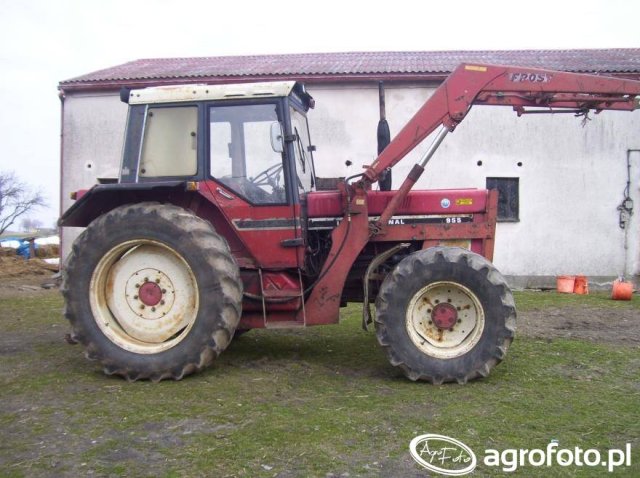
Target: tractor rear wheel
445	314
152	292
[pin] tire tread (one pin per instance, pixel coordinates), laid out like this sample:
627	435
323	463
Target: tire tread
425	259
216	254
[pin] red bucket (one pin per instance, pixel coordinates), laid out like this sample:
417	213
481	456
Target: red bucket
581	285
565	284
621	290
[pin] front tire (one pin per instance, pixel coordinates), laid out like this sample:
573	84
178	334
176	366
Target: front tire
445	315
152	291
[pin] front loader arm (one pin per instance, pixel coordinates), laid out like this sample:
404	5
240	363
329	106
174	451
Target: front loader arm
467	85
518	87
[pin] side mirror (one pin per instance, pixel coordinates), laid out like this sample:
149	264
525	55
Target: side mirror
277	137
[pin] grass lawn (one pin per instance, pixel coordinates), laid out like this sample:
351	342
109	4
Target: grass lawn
317	402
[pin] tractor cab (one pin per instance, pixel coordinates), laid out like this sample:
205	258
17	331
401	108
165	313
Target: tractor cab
252	139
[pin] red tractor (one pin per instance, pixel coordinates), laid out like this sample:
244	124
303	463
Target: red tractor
218	224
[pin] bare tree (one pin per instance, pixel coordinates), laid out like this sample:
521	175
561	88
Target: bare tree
31	225
16	199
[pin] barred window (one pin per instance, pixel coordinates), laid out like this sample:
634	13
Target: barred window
508	198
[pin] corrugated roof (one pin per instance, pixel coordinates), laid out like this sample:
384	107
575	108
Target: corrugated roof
350	66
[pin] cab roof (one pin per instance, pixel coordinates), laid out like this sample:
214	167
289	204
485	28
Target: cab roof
200	92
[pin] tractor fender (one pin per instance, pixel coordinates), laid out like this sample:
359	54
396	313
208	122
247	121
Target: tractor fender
102	198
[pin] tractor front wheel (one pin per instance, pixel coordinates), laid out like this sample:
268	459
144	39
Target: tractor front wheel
445	314
152	292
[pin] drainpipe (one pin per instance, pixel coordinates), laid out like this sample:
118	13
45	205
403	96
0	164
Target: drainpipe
626	211
62	96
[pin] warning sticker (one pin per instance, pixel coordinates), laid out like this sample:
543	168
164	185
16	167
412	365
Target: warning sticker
464	202
475	68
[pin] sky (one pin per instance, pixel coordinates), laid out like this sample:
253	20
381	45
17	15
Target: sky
43	42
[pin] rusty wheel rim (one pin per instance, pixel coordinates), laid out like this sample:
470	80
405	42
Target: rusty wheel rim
144	296
445	320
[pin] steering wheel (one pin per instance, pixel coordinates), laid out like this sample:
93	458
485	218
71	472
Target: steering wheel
268	177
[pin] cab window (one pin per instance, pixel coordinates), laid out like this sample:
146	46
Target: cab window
302	152
241	154
169	146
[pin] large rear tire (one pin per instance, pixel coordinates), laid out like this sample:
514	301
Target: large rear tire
445	314
152	292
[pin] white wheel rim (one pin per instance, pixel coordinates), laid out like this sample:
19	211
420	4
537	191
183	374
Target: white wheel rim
445	320
144	296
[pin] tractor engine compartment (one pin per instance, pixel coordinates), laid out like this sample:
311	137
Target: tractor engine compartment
426	218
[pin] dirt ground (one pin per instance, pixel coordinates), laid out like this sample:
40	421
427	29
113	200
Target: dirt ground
614	326
600	325
20	278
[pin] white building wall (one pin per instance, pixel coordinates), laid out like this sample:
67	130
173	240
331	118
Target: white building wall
92	137
571	178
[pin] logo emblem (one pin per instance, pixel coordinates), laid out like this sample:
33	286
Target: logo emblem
525	77
445	203
442	454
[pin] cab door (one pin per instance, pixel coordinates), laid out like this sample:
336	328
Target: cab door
302	167
251	180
